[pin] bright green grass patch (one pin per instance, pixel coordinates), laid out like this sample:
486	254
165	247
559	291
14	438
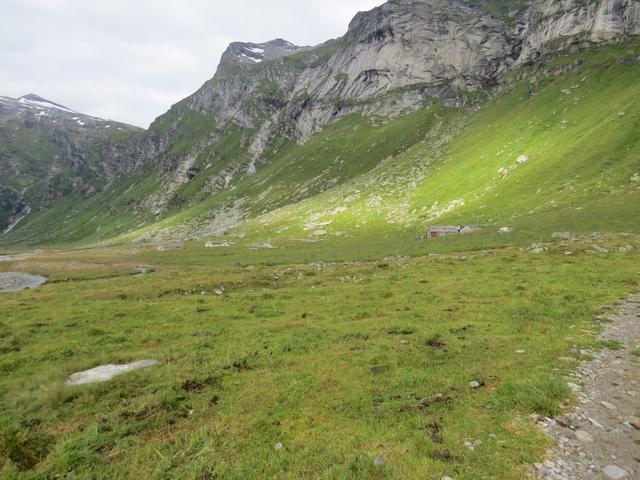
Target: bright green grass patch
611	344
532	395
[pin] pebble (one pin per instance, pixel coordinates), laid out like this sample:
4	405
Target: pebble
520	352
608	406
584	437
378	461
474	384
279	446
446	478
614	472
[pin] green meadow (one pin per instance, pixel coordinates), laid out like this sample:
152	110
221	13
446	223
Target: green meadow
337	362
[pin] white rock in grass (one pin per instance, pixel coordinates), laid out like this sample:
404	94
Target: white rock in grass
104	373
378	461
522	159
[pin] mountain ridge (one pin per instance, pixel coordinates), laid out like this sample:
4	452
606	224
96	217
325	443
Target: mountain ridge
399	58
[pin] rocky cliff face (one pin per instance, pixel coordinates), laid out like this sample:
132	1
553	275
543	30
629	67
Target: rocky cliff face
553	24
394	59
48	151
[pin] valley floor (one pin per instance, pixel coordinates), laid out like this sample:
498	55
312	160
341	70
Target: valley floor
354	362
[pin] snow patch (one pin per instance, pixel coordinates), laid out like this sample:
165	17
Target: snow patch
256	60
44	104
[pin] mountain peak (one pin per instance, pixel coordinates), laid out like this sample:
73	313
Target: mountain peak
38	101
251	53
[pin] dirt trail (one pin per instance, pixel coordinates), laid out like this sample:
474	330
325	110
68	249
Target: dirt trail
600	439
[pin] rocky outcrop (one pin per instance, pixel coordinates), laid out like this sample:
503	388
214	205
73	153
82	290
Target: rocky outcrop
394	59
552	24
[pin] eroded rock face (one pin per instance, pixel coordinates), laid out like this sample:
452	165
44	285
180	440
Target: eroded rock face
569	20
420	50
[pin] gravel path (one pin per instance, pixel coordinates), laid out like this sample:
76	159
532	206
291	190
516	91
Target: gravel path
600	439
14	281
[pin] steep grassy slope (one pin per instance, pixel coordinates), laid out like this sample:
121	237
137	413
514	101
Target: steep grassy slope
574	130
342	152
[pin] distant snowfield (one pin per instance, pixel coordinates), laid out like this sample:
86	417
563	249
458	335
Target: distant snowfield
42	104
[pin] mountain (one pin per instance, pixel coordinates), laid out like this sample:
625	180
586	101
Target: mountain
49	151
280	124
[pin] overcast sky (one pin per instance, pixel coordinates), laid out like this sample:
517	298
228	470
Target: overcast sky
130	60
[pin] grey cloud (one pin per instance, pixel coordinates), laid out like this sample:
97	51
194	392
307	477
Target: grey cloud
130	60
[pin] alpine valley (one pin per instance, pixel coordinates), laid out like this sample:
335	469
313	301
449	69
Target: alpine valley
271	242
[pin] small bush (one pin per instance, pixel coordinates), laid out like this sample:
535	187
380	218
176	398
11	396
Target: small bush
341	77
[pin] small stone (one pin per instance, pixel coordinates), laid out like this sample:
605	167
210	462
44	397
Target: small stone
584	437
520	352
105	373
608	406
564	235
475	384
379	461
446	478
614	472
279	446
